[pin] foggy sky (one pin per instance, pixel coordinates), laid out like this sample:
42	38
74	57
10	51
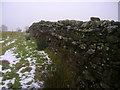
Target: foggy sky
21	14
119	11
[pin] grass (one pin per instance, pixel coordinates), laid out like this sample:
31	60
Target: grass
4	49
21	64
12	36
16	85
1	74
10	75
0	48
29	83
24	49
26	69
61	76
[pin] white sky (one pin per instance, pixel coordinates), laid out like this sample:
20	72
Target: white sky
21	14
59	0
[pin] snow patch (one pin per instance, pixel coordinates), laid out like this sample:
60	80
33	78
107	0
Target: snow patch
0	68
0	80
10	43
1	41
6	70
8	81
35	85
7	37
25	77
9	56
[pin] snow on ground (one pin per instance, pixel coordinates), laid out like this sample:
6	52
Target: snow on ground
46	56
0	71
6	70
1	41
7	38
9	56
30	75
10	42
25	77
8	81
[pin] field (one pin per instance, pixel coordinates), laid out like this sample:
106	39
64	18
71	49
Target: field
21	65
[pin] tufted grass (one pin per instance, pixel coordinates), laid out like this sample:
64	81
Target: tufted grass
60	75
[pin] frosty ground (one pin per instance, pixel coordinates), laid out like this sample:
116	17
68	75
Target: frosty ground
25	64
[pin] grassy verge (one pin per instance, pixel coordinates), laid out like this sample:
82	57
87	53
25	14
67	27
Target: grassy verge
8	36
28	60
60	74
55	75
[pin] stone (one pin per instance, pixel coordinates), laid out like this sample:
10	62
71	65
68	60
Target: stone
85	25
112	29
95	19
91	49
112	39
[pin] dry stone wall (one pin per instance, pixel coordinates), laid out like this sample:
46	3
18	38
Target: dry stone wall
91	49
